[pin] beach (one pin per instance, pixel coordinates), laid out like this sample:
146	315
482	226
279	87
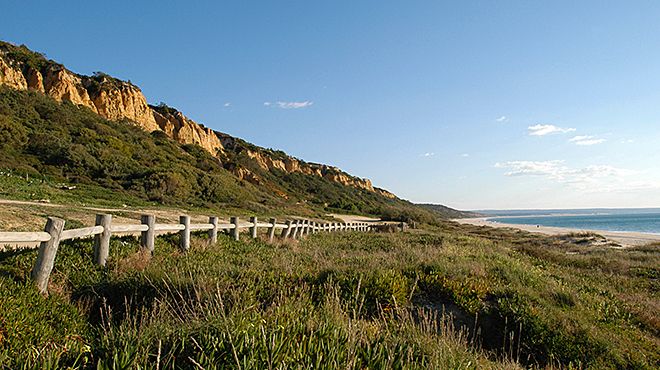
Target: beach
625	238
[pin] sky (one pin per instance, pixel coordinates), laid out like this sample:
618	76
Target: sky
471	104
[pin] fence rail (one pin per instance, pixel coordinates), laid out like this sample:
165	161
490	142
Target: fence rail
148	229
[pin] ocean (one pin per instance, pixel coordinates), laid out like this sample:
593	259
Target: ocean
634	220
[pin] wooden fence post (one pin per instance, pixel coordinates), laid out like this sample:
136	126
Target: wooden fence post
286	231
148	237
185	233
102	240
47	252
213	233
253	228
271	230
235	232
305	230
303	227
296	229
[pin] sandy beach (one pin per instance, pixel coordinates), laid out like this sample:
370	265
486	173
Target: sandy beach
624	238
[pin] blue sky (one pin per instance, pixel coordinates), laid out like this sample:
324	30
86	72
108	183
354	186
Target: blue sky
473	104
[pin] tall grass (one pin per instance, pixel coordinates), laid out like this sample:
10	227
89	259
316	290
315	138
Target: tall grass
438	298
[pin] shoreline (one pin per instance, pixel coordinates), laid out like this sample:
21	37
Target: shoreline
625	238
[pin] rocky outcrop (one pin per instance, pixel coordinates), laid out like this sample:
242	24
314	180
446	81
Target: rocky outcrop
35	81
186	131
348	180
247	175
124	101
11	76
107	96
60	84
334	174
385	193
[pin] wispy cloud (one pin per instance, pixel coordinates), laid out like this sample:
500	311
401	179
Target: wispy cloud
594	178
542	130
465	155
227	105
586	140
627	141
289	104
502	119
428	154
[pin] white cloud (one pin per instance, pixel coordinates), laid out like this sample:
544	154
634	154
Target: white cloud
627	141
502	119
594	178
586	140
542	130
465	155
290	104
227	105
429	154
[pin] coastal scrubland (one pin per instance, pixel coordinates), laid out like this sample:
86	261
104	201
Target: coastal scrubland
444	296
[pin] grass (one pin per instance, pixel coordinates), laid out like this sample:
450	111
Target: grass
441	297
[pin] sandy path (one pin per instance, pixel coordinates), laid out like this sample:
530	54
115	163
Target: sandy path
623	238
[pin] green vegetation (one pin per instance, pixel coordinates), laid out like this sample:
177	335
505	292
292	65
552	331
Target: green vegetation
58	145
446	212
26	57
441	297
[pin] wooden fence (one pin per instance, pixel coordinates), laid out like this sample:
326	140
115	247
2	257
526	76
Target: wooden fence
104	229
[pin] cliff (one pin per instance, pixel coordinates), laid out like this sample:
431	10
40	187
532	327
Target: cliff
113	99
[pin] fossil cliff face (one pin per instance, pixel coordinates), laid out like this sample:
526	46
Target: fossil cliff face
10	76
118	100
61	84
124	101
291	165
186	131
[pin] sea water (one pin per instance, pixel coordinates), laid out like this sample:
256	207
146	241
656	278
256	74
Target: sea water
634	222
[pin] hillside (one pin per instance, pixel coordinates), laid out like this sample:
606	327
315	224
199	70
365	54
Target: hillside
446	212
99	135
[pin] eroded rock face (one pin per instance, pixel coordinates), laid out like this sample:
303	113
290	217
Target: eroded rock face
385	193
186	131
60	84
11	76
35	80
247	175
125	101
291	165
